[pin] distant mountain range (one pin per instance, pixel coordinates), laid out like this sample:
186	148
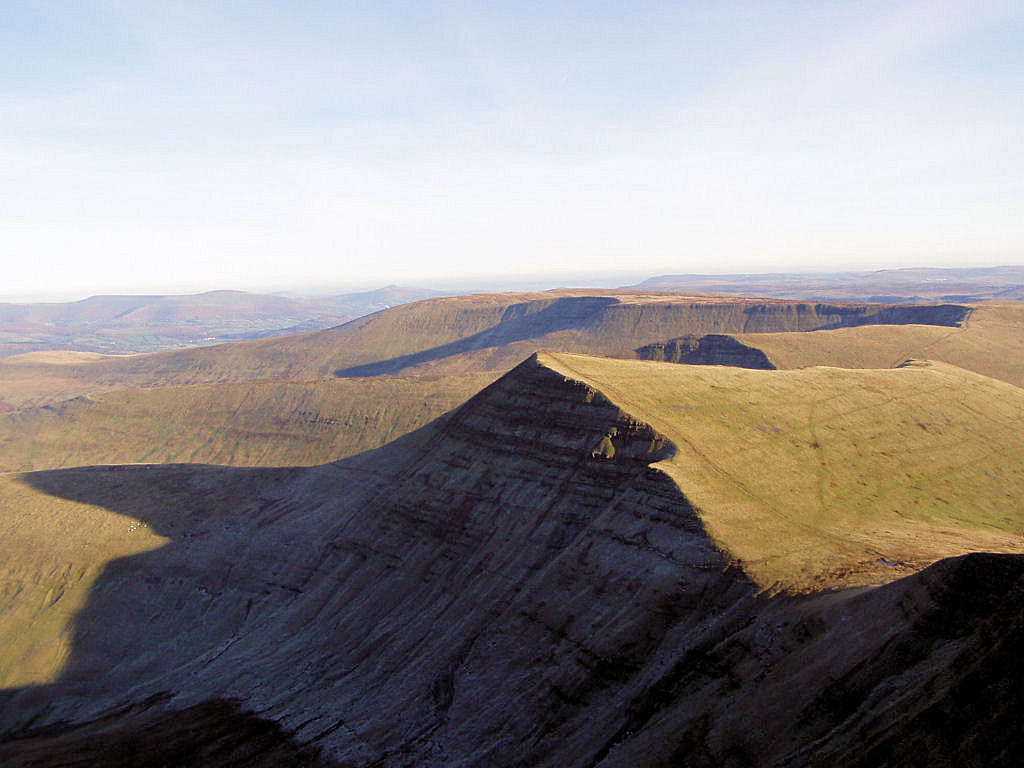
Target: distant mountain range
886	285
129	324
124	324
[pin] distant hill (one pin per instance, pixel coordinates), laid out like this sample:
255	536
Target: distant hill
132	324
463	334
279	401
886	285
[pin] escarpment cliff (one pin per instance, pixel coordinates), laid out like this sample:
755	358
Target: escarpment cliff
460	334
522	582
608	325
713	349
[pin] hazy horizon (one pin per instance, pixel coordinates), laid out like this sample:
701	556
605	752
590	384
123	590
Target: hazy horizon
465	284
185	147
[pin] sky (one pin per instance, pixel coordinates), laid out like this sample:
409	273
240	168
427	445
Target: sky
172	146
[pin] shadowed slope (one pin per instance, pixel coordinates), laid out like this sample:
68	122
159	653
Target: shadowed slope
516	583
923	671
490	552
214	733
713	349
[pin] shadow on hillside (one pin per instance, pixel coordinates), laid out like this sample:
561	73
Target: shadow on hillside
149	613
147	633
946	315
418	559
519	323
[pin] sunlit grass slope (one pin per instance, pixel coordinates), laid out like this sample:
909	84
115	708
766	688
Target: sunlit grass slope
990	342
258	423
53	552
824	476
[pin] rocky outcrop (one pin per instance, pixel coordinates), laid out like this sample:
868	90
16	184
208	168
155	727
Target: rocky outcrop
713	349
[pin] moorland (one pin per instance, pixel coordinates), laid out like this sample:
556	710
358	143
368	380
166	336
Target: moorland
575	528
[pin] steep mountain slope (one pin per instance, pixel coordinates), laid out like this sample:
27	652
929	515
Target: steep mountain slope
452	335
255	423
568	570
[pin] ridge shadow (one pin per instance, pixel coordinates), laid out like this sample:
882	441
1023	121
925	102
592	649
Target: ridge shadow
525	321
517	323
365	606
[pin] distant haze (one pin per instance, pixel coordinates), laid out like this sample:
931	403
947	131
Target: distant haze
159	147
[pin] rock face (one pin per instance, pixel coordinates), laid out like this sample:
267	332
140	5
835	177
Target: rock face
515	584
713	349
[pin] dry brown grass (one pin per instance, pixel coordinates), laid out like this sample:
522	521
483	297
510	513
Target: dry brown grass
991	343
53	552
259	423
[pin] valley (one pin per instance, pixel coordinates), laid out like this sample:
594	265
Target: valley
133	324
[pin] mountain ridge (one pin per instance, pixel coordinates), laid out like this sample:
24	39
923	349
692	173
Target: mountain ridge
483	332
538	541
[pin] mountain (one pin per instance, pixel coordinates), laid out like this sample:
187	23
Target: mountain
131	324
592	562
463	334
886	285
254	403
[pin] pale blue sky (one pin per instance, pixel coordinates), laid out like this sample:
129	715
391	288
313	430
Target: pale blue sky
179	146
